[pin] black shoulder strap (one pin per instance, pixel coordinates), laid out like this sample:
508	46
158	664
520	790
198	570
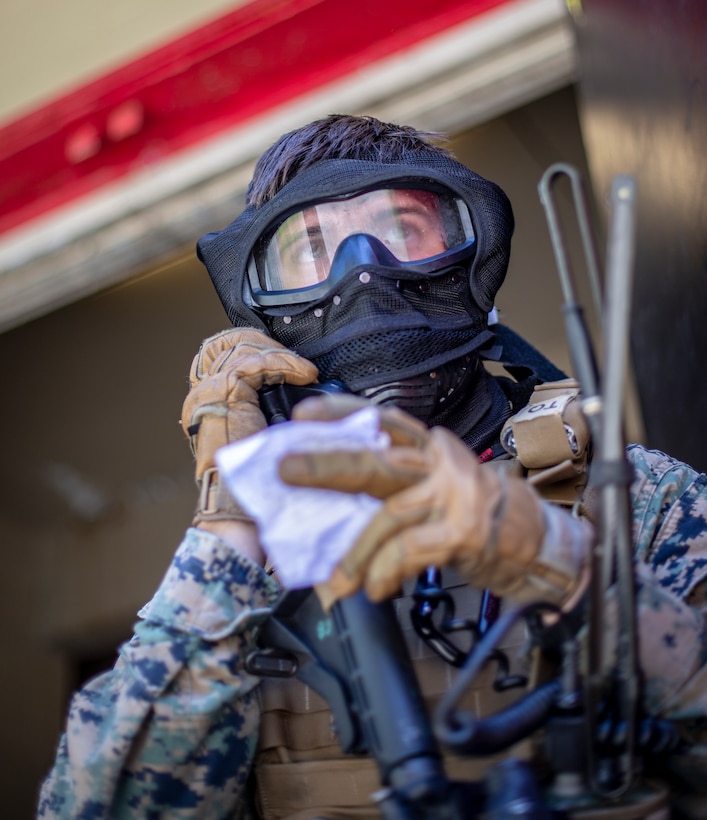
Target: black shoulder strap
525	363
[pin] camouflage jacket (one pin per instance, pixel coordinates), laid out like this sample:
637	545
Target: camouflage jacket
172	729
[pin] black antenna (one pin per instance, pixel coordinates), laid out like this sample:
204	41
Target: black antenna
612	555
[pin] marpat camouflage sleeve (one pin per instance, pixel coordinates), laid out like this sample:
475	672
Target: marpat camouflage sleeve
171	730
669	511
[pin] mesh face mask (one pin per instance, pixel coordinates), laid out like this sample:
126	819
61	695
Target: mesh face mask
371	304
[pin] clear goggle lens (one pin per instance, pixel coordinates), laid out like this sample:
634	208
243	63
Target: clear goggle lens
413	224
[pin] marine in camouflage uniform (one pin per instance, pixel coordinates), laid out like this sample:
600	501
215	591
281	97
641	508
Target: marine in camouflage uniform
172	730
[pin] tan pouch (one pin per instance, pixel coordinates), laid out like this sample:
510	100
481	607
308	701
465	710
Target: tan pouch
550	437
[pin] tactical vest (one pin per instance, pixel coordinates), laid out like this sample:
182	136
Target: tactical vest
300	770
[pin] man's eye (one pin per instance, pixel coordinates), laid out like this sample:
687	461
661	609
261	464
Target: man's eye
396	232
307	252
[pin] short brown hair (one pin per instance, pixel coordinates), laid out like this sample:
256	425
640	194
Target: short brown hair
337	136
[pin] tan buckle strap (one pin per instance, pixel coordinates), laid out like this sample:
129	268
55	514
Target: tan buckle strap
215	502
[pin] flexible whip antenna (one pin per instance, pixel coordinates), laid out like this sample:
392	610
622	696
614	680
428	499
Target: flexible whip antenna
613	473
602	407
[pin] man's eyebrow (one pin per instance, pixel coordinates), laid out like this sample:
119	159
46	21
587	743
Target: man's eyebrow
414	208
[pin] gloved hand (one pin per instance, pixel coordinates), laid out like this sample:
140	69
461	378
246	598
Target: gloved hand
222	405
441	507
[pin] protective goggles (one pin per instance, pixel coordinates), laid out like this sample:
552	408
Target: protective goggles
304	256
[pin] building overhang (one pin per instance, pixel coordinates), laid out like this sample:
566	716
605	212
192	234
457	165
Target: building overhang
139	188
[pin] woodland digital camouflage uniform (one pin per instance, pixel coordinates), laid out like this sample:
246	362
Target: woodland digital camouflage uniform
171	730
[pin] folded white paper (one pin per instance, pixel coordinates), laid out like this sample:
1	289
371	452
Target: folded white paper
305	532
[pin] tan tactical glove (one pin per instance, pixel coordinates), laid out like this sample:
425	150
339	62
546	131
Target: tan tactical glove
222	405
441	507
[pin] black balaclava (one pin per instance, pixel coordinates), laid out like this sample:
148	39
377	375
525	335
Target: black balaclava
414	341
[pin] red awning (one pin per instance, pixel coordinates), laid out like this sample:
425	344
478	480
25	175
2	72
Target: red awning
216	77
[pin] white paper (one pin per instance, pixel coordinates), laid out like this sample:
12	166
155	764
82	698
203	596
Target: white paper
305	532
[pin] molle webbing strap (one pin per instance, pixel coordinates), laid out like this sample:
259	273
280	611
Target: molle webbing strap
330	789
321	788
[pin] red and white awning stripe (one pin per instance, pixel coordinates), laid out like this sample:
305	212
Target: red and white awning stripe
152	153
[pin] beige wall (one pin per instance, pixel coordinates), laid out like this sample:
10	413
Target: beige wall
47	47
514	151
96	476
